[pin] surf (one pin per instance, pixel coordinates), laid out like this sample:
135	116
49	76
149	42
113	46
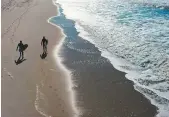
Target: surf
133	35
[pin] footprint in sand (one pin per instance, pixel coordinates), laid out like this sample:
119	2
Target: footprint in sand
52	70
8	73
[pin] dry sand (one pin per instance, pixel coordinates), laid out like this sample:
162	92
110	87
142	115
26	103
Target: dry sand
36	86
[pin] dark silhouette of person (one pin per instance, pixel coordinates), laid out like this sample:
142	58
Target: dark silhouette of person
44	43
21	49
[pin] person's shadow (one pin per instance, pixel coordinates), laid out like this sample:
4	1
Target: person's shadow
43	55
19	61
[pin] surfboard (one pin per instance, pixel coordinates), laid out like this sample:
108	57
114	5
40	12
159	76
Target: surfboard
25	47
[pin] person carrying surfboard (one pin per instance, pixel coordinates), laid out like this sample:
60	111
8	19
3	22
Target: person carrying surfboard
44	43
21	49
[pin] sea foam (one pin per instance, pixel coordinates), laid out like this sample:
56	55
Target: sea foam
133	35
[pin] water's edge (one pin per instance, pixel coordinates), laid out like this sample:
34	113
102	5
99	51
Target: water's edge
70	82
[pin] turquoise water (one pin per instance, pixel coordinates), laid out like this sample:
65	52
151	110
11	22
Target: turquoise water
133	35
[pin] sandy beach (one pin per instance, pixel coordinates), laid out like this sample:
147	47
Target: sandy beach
42	86
35	87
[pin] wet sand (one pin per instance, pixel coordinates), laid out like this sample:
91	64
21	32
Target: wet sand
101	90
34	87
38	87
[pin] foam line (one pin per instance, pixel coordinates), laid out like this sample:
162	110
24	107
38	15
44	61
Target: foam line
69	82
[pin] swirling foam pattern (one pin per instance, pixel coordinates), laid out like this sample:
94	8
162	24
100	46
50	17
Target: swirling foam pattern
134	31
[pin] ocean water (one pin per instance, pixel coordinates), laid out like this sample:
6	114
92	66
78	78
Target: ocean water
134	36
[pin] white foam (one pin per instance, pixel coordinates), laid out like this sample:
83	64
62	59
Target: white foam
68	76
154	2
76	110
39	99
132	72
137	39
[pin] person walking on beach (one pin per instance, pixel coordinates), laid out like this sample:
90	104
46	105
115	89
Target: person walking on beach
44	43
21	49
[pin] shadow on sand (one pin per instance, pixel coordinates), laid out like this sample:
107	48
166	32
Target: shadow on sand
19	61
43	55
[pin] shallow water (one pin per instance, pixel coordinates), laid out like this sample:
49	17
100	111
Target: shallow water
133	35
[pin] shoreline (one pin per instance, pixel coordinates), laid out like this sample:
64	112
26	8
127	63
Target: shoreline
37	86
67	72
59	60
152	72
68	62
51	78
